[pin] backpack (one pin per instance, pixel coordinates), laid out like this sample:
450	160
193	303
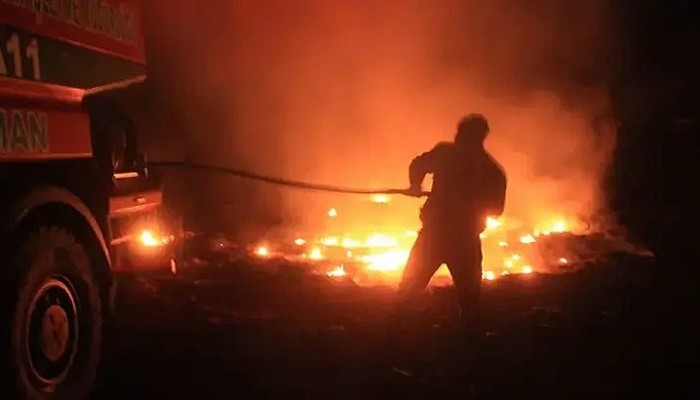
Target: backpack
493	189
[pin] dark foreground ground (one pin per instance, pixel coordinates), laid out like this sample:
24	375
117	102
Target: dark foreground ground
243	331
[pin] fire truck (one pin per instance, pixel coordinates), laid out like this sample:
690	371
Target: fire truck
77	201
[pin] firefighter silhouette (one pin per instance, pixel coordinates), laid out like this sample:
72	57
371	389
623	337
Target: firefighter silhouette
468	186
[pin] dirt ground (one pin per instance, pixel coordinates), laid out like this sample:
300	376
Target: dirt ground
237	330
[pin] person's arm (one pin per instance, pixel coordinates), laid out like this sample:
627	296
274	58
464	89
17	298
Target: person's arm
422	165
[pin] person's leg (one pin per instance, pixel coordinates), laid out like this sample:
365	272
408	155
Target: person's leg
424	260
402	341
465	267
464	264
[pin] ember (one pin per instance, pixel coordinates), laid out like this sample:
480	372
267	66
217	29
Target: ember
489	275
262	251
337	272
316	254
527	239
381	199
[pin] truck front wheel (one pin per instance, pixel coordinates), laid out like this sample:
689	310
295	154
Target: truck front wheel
55	321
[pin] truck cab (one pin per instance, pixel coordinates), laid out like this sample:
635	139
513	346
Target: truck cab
77	201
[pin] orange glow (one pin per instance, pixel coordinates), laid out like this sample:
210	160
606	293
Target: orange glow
391	261
316	254
549	134
330	241
350	243
337	272
381	251
493	223
527	239
379	240
262	251
563	261
380	199
148	239
559	227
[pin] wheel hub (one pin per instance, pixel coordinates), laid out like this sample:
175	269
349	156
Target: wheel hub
52	333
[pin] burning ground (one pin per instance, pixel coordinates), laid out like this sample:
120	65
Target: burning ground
376	253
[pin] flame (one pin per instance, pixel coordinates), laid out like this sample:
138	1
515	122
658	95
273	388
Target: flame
391	261
527	239
380	240
330	241
262	251
488	275
380	199
493	223
148	239
316	254
508	249
337	272
559	227
350	243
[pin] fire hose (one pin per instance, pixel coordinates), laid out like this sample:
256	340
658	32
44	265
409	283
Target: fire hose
241	173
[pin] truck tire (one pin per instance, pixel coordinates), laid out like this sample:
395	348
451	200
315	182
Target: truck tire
54	321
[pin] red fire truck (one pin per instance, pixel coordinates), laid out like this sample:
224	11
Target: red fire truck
77	202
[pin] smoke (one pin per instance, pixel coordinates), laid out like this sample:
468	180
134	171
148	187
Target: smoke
349	92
